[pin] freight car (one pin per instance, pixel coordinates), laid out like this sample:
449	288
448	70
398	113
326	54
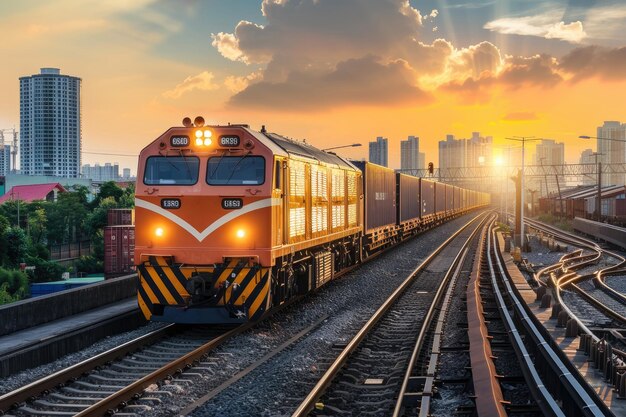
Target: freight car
231	222
602	231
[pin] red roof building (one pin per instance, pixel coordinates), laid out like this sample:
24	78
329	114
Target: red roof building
28	193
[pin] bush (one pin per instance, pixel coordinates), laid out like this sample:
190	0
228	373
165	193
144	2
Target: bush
88	265
13	285
45	271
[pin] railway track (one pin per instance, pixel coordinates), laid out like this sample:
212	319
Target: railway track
368	373
557	387
106	382
391	366
111	381
604	343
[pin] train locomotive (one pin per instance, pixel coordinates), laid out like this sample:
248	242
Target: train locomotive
231	222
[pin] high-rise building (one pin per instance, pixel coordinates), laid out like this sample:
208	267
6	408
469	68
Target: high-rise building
410	155
108	172
50	124
588	156
465	153
551	155
5	160
612	151
126	173
379	151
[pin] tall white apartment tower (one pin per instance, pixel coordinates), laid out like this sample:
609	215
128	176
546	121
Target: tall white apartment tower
410	156
50	124
612	151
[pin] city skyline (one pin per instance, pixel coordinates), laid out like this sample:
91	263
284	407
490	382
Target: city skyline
429	68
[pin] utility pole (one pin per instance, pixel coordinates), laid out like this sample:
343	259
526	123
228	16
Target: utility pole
522	139
518	205
599	196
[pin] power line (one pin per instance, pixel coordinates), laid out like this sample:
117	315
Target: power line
109	154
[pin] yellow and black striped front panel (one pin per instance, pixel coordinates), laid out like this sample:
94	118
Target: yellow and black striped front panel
239	286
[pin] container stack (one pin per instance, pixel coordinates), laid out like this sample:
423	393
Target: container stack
119	243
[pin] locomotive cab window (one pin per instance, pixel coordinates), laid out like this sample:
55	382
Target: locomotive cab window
171	170
236	170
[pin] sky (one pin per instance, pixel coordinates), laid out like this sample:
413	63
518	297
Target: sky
329	71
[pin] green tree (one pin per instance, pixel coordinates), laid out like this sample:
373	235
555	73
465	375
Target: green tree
127	200
98	218
37	225
17	246
108	189
66	218
13	210
4	227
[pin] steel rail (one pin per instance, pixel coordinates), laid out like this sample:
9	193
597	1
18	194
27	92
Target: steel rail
489	399
571	278
544	399
110	403
9	400
403	394
586	400
309	402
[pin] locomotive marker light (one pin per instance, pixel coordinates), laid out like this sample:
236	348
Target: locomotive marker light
198	121
207	138
241	233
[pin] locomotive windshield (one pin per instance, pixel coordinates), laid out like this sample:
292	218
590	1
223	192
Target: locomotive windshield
171	170
236	170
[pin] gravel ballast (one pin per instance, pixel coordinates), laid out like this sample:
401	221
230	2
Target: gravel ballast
276	387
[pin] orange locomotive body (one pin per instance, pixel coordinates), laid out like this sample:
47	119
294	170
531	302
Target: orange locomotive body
230	222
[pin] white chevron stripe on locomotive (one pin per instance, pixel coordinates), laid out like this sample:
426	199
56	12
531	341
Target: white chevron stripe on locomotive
201	235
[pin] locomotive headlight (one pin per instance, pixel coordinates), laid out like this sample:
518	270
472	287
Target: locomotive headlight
198	133
158	231
198	141
208	133
207	141
241	233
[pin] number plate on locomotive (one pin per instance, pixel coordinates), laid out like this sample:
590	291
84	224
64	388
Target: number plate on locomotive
170	203
232	203
229	140
179	141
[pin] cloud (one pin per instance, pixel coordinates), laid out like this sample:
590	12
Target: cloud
321	33
364	81
608	22
237	84
308	51
202	81
514	73
595	61
547	25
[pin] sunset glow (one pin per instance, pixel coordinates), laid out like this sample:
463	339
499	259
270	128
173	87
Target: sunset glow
325	71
